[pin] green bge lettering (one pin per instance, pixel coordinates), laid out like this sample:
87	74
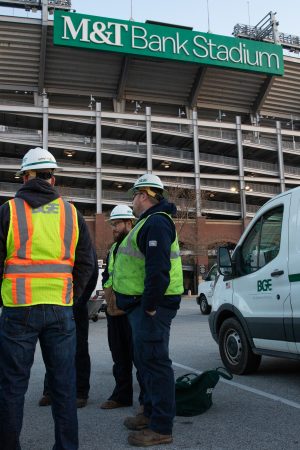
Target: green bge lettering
264	285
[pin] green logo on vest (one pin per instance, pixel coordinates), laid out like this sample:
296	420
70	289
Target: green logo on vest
51	208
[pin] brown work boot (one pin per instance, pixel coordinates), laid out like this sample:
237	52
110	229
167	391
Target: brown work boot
140	409
138	422
145	438
45	400
112	404
81	402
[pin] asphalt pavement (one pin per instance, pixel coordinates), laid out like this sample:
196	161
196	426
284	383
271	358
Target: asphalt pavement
259	411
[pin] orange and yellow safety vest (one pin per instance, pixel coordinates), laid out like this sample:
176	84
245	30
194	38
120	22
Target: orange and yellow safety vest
40	246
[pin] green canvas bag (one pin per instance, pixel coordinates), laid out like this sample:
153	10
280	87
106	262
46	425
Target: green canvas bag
194	392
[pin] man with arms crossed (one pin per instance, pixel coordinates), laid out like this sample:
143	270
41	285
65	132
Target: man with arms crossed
148	283
118	328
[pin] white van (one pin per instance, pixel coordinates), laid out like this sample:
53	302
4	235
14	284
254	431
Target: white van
206	290
256	305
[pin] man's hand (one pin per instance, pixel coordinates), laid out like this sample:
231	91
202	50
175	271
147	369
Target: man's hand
151	313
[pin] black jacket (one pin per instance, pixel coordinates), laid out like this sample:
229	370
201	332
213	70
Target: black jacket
154	241
37	193
92	283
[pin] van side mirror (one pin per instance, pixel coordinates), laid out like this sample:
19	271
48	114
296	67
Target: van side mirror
224	261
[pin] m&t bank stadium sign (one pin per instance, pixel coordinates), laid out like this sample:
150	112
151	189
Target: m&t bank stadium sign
142	39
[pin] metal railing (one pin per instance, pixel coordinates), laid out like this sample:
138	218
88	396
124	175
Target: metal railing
208	205
89	196
84	143
249	138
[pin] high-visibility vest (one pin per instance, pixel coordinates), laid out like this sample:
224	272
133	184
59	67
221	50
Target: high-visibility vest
110	268
40	247
129	267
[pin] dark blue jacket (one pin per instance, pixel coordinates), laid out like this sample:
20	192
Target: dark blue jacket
161	232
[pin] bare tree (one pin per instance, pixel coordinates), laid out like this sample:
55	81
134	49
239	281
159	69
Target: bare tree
185	200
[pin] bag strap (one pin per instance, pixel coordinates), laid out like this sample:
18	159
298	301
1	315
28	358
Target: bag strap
224	373
187	377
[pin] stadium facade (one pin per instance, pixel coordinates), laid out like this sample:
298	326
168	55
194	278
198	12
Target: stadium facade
216	117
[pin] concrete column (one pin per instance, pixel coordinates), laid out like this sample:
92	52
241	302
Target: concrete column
149	139
280	156
196	163
239	140
44	11
98	160
45	122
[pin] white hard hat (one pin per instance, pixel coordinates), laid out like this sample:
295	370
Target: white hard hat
150	183
37	159
148	180
121	212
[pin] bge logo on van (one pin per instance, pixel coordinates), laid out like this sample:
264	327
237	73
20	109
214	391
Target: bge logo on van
264	285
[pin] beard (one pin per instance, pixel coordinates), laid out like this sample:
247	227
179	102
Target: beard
121	236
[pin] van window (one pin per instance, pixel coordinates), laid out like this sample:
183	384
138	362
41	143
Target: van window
262	244
211	276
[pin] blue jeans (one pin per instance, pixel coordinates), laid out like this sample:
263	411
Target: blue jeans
151	355
83	361
20	329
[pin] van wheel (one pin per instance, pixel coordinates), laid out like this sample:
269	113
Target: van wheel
205	308
235	350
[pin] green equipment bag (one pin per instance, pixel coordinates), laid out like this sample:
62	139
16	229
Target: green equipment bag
194	392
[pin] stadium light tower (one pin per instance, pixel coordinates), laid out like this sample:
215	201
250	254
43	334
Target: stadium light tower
208	19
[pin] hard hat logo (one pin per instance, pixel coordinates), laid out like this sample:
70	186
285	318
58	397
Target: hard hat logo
38	159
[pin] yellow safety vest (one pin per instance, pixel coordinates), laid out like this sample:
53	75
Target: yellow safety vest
110	268
40	246
129	267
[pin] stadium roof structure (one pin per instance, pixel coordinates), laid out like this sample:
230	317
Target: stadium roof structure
30	62
75	80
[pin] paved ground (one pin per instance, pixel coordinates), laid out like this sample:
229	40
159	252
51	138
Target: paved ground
261	411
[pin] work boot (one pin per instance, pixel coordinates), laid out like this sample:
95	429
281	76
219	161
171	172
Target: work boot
45	400
145	438
140	409
112	404
81	402
138	422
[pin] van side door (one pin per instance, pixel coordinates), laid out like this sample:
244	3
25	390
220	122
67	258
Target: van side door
261	290
294	267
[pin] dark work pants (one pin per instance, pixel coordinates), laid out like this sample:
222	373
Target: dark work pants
120	344
151	356
20	329
83	362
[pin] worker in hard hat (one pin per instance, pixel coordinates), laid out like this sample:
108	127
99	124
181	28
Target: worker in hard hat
118	328
148	284
45	264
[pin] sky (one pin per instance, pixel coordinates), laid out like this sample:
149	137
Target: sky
223	14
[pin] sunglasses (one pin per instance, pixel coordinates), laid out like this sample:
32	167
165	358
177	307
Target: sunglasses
137	193
116	223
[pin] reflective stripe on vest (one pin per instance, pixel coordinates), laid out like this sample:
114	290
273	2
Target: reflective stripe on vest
111	261
129	268
41	245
